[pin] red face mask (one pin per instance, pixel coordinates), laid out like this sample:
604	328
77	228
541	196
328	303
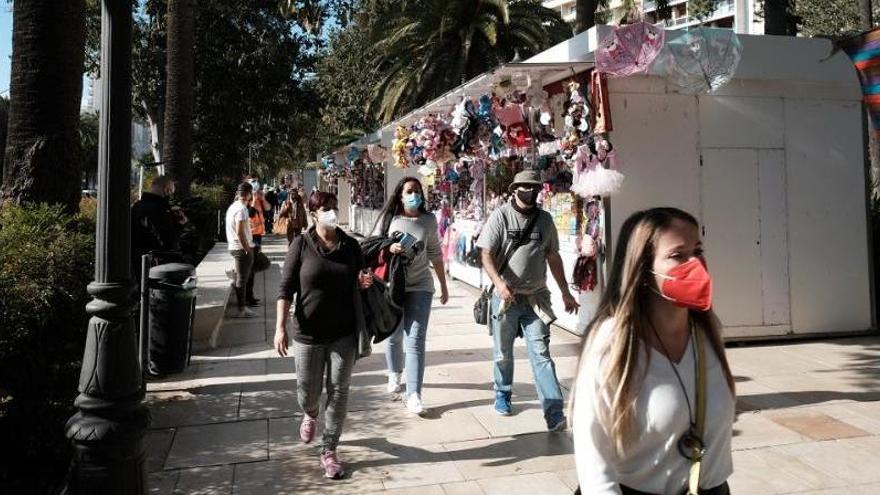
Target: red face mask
688	285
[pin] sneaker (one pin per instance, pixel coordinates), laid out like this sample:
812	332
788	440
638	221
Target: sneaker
332	466
307	428
502	403
393	383
254	303
557	422
245	313
414	404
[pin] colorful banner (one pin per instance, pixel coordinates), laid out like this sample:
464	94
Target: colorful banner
864	51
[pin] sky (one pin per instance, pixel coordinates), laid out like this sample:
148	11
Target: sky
5	46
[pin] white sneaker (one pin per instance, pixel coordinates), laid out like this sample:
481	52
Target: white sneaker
414	404
393	383
245	313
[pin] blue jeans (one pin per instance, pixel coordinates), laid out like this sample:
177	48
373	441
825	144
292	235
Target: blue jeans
505	328
411	337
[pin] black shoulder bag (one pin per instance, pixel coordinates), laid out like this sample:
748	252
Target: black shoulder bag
481	307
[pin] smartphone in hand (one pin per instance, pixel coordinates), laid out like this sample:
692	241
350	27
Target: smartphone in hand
407	241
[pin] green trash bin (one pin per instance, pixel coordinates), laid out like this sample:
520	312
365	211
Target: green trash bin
172	307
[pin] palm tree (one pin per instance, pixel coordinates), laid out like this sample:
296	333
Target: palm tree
585	14
42	150
778	18
4	122
179	94
427	47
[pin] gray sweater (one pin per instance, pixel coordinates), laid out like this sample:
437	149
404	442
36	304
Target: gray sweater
423	228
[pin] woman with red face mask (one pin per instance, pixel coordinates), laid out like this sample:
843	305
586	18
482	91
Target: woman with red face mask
653	405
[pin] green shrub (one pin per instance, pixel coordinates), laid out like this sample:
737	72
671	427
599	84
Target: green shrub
198	236
216	196
46	262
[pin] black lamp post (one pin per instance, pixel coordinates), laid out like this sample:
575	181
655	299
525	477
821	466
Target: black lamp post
107	432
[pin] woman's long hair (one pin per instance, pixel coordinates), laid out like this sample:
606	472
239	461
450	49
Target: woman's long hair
626	300
394	205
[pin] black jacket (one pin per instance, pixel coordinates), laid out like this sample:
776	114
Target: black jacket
396	285
153	226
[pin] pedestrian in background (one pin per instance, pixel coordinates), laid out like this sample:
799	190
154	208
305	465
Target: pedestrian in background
405	213
271	200
295	213
641	420
282	195
240	244
257	218
323	269
154	226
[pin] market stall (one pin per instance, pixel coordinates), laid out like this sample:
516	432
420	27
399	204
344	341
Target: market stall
765	149
358	175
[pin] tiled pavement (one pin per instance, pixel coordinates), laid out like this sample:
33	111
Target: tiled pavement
809	419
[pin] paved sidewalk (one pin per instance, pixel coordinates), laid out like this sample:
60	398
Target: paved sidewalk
809	418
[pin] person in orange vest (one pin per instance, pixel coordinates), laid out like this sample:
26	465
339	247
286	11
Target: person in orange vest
257	216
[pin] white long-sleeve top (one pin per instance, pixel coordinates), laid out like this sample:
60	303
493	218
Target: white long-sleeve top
652	463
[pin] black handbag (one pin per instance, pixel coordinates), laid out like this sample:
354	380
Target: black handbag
261	262
481	306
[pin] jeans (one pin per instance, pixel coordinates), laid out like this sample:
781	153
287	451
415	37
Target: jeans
411	337
330	365
243	264
537	335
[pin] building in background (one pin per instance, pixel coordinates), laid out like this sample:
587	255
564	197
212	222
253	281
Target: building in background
140	134
740	15
565	7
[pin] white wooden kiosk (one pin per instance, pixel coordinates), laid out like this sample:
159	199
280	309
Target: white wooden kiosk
359	219
772	164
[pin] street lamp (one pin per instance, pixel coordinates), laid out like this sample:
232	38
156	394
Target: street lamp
107	430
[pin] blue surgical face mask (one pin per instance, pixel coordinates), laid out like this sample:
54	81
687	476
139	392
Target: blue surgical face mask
412	201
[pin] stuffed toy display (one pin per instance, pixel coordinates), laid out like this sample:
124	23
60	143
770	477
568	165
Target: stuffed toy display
596	169
399	147
586	275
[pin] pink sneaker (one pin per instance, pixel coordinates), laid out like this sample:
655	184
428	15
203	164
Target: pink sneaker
332	466
307	428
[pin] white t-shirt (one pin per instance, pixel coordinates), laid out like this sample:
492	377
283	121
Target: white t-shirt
653	463
237	212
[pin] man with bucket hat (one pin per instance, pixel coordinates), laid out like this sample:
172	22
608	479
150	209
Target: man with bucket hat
518	242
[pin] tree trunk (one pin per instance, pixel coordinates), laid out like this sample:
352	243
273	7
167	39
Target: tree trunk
776	17
42	160
585	15
156	121
177	149
866	16
4	126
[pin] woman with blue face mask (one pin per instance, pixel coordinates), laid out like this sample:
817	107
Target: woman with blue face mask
405	212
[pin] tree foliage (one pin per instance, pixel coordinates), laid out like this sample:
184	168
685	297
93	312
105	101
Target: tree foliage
148	68
830	17
345	78
252	91
427	47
